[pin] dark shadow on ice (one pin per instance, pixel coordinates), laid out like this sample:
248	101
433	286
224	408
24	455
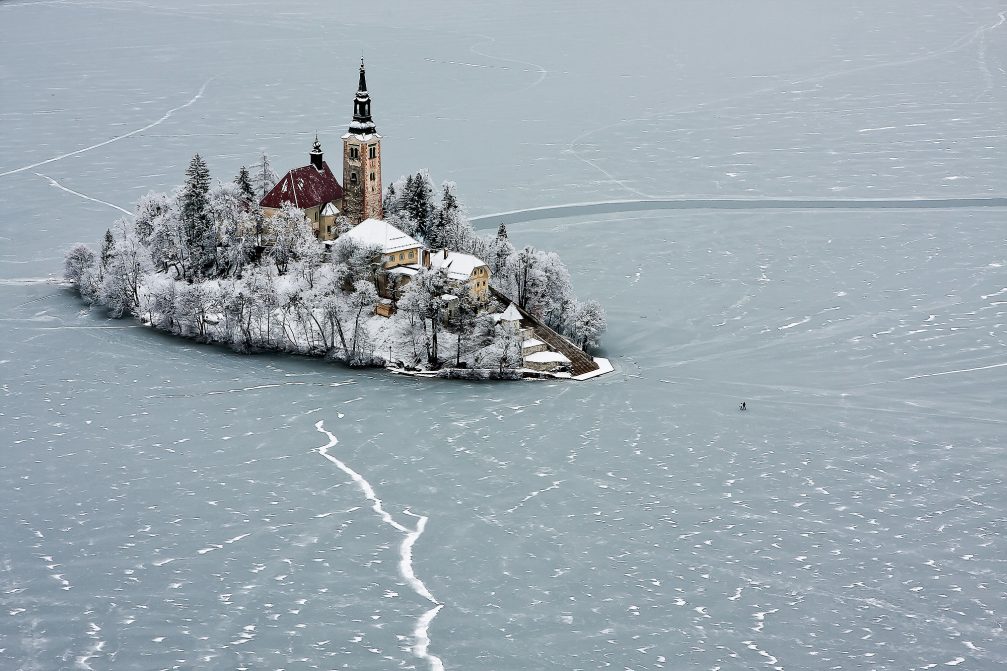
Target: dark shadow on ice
608	207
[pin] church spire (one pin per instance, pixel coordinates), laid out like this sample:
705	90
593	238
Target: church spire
316	154
362	123
362	85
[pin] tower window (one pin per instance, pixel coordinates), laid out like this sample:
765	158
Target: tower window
354	151
372	177
353	177
372	151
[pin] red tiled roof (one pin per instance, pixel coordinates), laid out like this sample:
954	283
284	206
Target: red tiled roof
305	187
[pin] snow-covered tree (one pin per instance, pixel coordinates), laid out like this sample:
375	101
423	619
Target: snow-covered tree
234	226
107	253
502	349
422	309
149	209
402	221
526	275
361	305
261	285
129	264
200	240
462	317
309	254
166	242
444	231
263	177
236	303
588	324
556	301
418	202
290	230
246	192
80	260
499	251
358	261
194	303
390	202
160	301
539	282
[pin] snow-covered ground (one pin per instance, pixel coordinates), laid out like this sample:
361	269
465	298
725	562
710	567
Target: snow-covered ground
172	505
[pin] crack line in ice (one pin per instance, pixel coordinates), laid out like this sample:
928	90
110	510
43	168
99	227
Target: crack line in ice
164	118
420	632
78	193
542	72
952	372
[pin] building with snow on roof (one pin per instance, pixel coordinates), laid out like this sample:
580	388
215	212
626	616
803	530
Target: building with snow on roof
315	189
312	188
397	248
463	269
403	256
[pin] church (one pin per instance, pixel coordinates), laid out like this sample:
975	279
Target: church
315	189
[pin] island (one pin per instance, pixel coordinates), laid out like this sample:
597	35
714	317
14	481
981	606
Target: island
346	271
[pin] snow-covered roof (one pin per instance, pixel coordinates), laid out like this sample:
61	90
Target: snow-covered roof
448	297
531	343
458	266
305	187
330	210
511	314
547	357
378	232
404	270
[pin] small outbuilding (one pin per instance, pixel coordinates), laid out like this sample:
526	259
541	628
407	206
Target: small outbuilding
547	362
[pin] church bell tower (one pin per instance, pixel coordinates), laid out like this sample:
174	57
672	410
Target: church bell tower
362	160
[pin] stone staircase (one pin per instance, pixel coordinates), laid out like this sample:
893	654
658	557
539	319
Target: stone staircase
581	362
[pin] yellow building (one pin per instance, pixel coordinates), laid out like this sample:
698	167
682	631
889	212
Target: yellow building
464	268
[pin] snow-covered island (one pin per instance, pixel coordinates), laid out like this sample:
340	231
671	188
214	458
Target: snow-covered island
348	272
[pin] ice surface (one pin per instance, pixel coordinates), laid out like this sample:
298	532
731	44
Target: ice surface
852	518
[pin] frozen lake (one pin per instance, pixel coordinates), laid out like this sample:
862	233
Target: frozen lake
172	505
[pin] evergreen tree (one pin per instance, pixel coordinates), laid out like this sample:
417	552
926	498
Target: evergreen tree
197	225
408	188
462	318
418	203
446	230
107	251
499	252
390	204
245	189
